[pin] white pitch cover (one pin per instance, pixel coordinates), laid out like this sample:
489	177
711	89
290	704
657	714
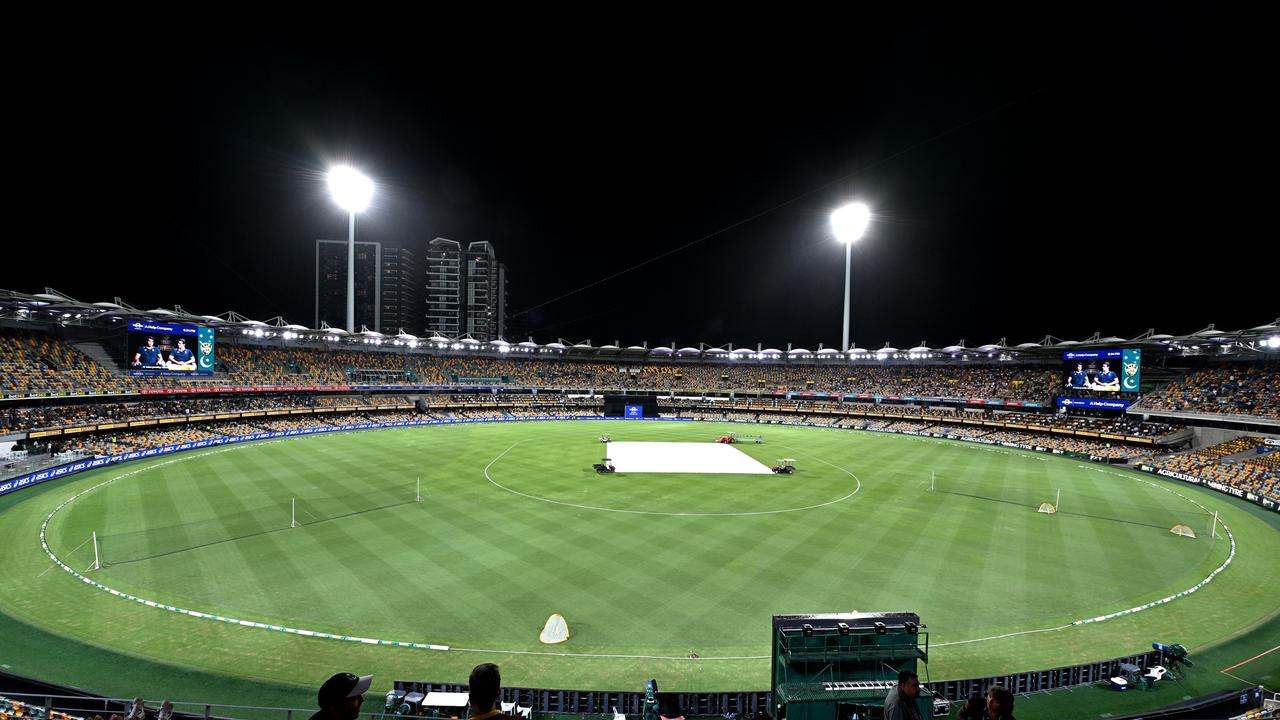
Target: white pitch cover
683	457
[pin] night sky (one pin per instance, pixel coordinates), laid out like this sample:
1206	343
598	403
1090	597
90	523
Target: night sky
1108	171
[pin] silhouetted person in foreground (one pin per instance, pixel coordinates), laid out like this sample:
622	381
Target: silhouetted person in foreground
340	697
484	688
999	703
975	708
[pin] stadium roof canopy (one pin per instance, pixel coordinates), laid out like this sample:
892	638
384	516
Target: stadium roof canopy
52	307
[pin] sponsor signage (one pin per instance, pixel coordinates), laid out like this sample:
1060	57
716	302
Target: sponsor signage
153	327
1177	476
81	465
246	389
1223	488
18	483
1092	354
1213	484
1273	442
1091	403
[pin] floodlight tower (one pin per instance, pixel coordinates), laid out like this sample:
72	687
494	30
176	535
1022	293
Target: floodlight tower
351	191
849	223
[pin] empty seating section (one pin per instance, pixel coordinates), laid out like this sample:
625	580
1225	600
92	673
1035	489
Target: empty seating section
32	360
1270	461
1250	475
1235	388
1269	482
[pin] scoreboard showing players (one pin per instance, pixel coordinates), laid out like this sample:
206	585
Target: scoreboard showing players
154	348
1102	370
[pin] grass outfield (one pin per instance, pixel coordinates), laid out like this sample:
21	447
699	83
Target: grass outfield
646	565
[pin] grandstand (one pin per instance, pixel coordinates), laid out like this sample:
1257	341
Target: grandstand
1231	389
61	398
1206	423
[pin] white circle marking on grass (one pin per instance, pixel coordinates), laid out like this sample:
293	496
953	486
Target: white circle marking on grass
855	490
429	646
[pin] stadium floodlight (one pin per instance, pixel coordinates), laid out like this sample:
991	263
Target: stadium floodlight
849	222
352	191
1273	342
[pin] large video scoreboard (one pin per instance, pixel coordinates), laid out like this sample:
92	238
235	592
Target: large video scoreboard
1102	370
168	349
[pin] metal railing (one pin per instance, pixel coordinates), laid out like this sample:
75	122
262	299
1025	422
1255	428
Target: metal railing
14	468
90	706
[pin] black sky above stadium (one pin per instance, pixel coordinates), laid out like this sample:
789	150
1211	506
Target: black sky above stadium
1030	172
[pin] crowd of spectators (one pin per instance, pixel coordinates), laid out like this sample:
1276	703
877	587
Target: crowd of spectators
69	415
33	361
752	409
40	362
1259	475
18	710
949	415
1232	388
1007	382
1100	447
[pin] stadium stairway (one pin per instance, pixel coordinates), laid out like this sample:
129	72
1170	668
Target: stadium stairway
1237	457
99	354
1174	437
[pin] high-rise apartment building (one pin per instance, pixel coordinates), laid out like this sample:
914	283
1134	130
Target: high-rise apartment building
331	284
401	290
466	290
444	287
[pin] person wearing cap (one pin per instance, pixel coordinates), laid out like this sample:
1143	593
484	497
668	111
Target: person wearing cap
340	697
484	688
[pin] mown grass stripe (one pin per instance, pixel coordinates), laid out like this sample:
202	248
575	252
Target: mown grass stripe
830	534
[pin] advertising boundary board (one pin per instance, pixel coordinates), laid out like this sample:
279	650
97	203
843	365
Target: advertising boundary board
19	483
1064	679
